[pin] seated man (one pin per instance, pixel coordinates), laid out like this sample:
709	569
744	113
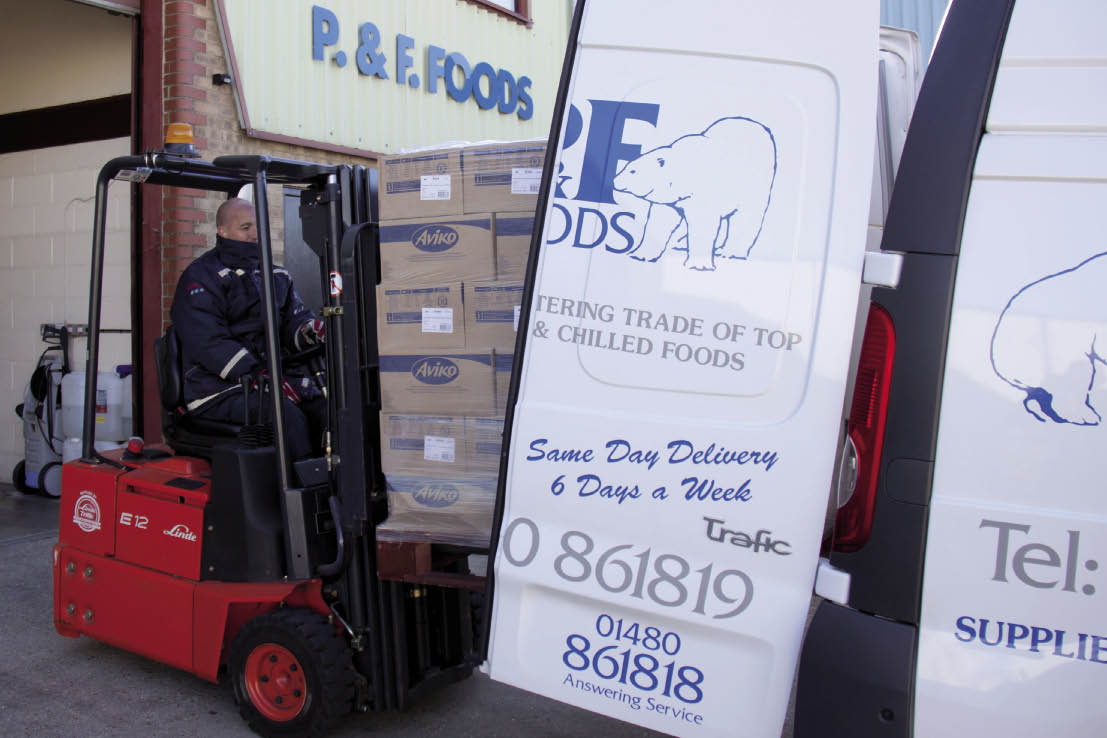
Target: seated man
218	313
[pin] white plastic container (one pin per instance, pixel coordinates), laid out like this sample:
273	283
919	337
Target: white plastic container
71	450
109	406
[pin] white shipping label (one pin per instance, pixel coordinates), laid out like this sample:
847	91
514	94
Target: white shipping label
434	187
525	180
438	448
438	320
516	328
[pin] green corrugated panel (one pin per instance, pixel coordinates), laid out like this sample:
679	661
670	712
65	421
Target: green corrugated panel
287	92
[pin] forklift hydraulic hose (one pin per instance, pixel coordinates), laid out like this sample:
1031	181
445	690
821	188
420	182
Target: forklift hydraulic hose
339	563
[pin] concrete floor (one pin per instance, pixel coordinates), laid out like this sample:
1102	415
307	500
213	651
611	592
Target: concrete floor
25	516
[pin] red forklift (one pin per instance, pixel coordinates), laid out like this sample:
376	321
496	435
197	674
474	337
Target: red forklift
215	553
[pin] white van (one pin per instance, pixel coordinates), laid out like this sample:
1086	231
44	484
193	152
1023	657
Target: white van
683	354
977	528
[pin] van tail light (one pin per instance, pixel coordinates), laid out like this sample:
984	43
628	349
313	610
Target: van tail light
865	430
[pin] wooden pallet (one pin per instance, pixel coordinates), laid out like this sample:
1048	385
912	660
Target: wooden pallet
415	559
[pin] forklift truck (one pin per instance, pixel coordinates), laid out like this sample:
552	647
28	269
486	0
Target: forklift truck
220	556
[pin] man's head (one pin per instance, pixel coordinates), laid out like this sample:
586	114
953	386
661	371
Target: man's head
235	220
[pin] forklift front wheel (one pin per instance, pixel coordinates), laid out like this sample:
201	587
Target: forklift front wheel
293	674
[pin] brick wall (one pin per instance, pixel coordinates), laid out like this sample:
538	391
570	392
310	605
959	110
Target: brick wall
193	53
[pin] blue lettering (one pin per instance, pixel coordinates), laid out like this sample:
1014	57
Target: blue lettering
681	450
506	92
370	58
536	446
1016	632
713	454
984	629
436	68
460	93
1039	636
574	126
1058	644
617	450
1098	649
620	450
485	70
615	227
588	479
605	148
526	104
1089	647
568	455
706	489
568	225
964	624
577	243
590	484
320	37
488	86
404	60
592	228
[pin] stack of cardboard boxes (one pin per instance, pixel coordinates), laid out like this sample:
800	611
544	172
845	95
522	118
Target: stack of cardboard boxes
455	234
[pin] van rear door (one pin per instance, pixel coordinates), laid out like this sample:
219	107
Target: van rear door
1012	639
677	394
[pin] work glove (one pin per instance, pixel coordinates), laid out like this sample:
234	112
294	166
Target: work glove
287	389
312	332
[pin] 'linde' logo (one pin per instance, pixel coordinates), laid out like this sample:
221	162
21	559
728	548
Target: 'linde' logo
435	370
434	238
180	531
442	495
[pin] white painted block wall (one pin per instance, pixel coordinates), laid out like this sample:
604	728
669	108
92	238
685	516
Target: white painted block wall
46	204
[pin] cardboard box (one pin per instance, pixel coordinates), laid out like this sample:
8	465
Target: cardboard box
437	384
440	445
437	250
513	236
491	313
453	509
484	439
428	183
415	318
422	444
502	362
503	177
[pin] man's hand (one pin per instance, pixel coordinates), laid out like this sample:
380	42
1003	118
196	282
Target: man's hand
286	387
312	332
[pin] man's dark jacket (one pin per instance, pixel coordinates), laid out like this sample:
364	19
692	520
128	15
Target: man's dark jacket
217	312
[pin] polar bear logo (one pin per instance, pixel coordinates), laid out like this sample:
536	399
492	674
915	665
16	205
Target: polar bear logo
1055	362
717	183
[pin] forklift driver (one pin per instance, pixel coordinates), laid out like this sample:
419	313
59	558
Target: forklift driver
218	314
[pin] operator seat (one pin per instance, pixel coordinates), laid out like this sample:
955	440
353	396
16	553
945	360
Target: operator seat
243	537
186	433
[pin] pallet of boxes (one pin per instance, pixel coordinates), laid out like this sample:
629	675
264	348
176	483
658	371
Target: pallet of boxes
455	235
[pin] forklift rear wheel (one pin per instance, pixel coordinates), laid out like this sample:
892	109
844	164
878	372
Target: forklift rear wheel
19	478
293	674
